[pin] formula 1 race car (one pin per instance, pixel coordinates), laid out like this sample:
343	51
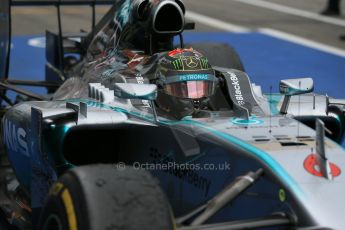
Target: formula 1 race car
137	133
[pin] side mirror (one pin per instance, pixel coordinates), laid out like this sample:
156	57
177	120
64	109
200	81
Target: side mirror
296	86
136	91
290	87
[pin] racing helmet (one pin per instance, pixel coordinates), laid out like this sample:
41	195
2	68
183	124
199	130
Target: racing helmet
185	80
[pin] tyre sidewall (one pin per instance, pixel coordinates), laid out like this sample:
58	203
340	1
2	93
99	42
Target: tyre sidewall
65	201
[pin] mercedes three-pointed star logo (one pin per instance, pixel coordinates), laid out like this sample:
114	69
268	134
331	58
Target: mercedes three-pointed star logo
191	62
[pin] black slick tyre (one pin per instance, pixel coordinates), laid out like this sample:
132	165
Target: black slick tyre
100	197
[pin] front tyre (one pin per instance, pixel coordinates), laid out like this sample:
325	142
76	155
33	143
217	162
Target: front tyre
102	197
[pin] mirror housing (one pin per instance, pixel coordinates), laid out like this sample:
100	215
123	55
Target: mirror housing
296	86
136	91
290	87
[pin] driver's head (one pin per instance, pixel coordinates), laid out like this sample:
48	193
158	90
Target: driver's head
185	79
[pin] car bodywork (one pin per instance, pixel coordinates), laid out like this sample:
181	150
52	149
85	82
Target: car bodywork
104	112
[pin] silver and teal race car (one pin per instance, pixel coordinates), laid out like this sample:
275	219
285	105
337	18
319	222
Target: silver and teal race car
138	133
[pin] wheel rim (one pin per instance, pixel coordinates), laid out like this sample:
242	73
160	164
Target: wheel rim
53	222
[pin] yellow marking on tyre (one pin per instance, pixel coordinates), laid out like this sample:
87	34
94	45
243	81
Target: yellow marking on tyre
55	189
67	200
173	220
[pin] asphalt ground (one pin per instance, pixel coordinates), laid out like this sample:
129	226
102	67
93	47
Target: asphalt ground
35	20
275	38
257	16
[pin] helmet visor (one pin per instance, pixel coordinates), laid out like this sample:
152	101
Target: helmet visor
190	89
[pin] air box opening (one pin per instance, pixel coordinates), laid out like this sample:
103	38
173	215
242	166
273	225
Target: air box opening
169	19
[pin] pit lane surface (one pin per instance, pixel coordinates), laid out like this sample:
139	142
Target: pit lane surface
298	42
276	39
281	15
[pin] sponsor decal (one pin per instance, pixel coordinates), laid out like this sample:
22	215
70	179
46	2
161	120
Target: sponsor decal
311	165
140	80
252	121
15	138
191	62
194	77
178	64
186	175
204	63
188	61
237	87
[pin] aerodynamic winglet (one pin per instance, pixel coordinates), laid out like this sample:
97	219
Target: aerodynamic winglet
322	160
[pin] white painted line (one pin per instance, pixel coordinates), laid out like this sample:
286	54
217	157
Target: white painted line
222	25
302	41
215	23
294	11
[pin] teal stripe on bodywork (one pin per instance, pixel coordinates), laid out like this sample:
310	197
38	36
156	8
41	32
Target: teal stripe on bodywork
274	100
270	162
